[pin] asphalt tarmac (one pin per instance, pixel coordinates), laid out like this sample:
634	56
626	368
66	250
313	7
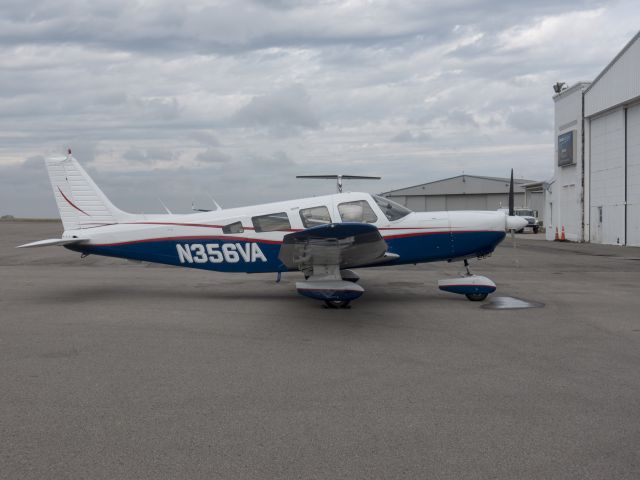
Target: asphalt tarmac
111	369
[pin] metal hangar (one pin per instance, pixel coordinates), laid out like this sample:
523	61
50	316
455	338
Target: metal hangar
463	192
595	192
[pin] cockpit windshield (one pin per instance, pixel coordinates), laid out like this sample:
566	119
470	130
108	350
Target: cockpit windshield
391	209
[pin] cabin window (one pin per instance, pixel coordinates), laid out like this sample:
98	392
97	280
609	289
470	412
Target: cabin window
271	222
314	216
235	227
359	212
391	209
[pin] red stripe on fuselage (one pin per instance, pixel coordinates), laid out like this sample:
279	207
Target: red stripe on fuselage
202	225
420	234
71	203
174	239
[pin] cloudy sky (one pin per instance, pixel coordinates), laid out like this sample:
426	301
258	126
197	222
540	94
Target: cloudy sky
183	99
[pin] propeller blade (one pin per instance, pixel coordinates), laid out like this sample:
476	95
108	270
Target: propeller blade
339	178
511	198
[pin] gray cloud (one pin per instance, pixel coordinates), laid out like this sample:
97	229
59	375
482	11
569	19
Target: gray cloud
205	138
530	120
283	112
408	136
211	155
146	156
460	117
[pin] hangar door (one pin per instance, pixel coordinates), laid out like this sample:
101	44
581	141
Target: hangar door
466	202
436	203
607	178
416	203
633	176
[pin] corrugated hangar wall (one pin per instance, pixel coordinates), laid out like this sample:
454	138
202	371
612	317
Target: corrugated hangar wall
607	178
439	203
612	112
462	192
633	175
614	205
536	202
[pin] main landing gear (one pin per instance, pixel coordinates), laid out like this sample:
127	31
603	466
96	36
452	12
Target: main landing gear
474	287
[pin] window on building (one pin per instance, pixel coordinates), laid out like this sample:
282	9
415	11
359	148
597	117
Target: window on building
235	227
600	214
271	222
392	210
314	216
359	211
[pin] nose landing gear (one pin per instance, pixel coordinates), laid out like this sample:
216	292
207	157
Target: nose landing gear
474	287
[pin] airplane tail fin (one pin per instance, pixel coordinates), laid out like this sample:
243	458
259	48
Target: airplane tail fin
80	202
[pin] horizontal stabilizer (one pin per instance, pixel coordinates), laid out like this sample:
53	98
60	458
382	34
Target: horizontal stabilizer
52	242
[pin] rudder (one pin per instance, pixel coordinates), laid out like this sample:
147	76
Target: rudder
80	202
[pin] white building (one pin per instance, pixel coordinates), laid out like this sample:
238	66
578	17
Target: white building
595	192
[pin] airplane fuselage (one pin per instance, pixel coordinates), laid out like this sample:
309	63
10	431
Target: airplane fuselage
248	239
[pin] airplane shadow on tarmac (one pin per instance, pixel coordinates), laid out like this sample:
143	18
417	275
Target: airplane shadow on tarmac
284	293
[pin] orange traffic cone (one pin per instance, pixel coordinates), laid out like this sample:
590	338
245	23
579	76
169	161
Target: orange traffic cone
562	237
557	237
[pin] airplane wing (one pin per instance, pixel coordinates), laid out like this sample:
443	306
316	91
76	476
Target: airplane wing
322	251
53	241
346	245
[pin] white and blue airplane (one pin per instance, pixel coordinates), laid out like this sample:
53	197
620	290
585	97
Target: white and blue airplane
323	237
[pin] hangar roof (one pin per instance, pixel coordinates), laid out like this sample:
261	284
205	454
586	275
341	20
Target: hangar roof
618	83
462	184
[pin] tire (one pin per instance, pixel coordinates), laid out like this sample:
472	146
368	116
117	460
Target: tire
535	229
476	297
520	231
337	303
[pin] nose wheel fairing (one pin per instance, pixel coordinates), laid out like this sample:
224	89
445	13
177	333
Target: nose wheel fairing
474	287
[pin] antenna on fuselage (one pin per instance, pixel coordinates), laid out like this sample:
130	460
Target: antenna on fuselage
339	178
165	207
218	207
